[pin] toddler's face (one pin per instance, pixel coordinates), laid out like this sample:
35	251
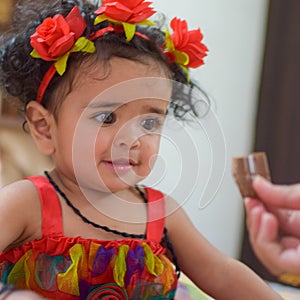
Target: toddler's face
108	130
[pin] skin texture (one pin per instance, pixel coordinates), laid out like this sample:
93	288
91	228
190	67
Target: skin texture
273	223
130	142
24	295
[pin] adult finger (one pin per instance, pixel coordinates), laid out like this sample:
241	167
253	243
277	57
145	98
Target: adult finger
283	196
254	210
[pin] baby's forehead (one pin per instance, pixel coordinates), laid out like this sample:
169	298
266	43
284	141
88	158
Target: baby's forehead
145	94
154	105
140	66
122	77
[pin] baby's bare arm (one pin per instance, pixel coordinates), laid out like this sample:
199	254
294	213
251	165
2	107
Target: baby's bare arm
218	275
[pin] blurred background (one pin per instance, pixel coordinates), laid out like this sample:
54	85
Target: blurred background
252	76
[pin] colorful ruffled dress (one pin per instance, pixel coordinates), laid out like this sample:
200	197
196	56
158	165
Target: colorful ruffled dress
60	267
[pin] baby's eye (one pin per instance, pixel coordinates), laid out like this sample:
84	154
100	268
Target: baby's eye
151	124
106	117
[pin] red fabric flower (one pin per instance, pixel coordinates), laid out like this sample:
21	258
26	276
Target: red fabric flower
185	43
129	11
57	35
109	291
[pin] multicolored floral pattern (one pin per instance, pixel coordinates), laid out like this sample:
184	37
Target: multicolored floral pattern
128	269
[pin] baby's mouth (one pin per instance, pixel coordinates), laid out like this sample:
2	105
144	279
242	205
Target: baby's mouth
120	165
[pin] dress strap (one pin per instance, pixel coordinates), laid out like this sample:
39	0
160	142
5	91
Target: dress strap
156	215
50	204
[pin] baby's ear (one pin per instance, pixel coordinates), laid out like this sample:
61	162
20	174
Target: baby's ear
40	122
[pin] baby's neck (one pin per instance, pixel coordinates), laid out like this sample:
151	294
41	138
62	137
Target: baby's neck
125	205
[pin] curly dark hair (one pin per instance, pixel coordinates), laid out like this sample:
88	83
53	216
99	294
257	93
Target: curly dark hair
21	75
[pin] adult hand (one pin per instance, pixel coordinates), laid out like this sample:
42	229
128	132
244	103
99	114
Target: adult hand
273	223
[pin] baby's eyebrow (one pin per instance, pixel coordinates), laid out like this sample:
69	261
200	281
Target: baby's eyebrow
105	104
115	105
155	110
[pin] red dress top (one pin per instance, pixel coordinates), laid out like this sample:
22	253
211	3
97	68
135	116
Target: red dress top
60	267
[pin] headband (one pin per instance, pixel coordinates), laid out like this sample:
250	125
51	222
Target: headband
57	37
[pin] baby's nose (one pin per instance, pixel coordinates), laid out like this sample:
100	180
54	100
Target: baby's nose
128	136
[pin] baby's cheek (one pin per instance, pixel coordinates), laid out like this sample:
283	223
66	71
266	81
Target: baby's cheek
151	153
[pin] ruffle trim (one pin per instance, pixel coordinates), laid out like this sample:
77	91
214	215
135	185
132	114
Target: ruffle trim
60	245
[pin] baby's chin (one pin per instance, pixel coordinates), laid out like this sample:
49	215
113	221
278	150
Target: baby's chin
111	187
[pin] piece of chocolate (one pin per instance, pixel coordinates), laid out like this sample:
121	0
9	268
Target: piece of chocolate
245	168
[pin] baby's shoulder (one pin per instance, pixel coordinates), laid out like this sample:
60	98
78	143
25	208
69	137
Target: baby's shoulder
20	212
19	199
175	213
20	190
170	203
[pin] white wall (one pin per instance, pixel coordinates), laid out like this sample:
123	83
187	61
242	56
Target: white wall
234	33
